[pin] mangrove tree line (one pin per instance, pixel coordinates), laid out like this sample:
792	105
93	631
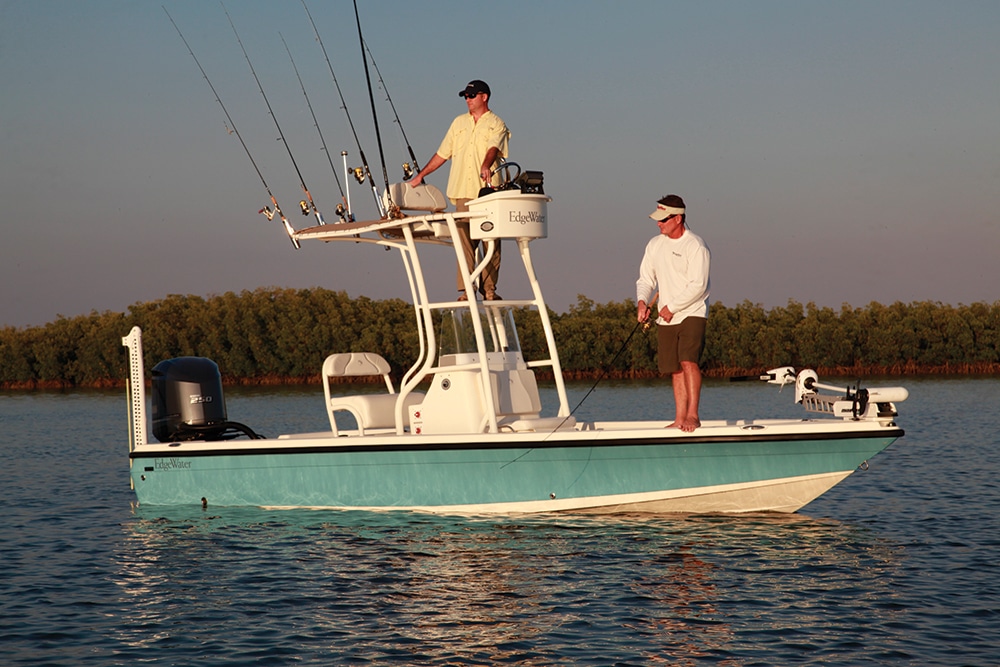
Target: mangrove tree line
282	335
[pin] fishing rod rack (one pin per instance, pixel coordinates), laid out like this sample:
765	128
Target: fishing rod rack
514	210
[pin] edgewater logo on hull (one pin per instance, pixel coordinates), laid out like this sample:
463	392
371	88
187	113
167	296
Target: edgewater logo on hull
171	464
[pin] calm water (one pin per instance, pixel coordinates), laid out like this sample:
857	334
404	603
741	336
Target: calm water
896	566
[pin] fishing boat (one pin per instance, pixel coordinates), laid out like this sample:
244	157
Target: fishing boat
463	430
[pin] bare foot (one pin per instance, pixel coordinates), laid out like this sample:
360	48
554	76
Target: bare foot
672	424
690	424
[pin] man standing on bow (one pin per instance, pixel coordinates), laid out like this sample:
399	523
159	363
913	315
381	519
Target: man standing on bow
475	142
676	262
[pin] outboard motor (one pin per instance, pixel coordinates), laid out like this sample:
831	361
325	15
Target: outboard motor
188	403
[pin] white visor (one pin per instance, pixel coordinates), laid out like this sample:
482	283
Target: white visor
663	212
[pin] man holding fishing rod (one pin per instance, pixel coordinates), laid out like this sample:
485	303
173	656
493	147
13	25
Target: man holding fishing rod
475	142
676	262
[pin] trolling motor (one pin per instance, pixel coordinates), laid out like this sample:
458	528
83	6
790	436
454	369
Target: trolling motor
854	403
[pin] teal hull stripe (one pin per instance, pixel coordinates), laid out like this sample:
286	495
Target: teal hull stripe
440	477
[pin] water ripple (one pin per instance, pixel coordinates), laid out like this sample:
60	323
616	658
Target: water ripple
896	566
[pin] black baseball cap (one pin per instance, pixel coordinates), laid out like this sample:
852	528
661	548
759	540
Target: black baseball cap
474	88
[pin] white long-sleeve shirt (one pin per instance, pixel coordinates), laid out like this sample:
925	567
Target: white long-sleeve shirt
678	268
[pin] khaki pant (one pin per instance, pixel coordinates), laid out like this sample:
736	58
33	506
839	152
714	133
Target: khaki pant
491	274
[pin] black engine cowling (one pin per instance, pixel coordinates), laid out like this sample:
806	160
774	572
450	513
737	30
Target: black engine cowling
188	403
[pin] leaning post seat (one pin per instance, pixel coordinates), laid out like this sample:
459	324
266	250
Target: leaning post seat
425	197
370	411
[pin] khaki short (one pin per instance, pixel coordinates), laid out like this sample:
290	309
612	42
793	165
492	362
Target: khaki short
679	342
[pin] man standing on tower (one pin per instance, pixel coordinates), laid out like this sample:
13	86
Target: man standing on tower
475	142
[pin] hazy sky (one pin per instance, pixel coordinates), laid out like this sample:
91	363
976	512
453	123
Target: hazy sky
832	152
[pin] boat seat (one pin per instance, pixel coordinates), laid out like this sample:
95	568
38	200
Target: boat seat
424	197
370	411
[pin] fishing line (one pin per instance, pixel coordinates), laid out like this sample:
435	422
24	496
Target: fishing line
371	99
363	171
604	372
342	208
407	172
268	213
305	207
645	324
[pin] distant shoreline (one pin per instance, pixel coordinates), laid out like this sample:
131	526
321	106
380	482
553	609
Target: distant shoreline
275	336
901	370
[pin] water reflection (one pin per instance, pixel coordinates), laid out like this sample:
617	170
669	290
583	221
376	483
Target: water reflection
403	587
907	577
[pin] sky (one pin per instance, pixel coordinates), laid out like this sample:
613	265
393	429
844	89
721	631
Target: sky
828	152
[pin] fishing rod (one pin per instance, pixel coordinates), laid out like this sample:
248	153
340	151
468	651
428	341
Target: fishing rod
362	172
407	170
341	208
604	371
371	99
267	211
302	204
645	326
